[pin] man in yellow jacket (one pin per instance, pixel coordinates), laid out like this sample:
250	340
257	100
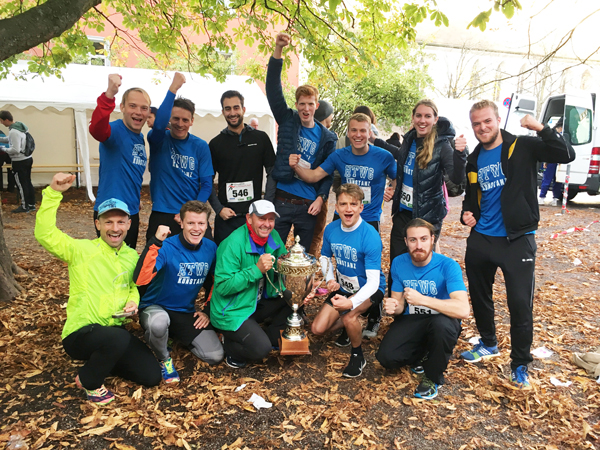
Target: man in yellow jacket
101	295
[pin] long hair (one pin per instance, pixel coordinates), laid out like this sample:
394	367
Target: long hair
425	153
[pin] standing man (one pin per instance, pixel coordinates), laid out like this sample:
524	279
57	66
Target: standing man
240	154
429	299
297	202
361	164
175	269
101	294
122	150
244	296
152	117
180	163
358	283
21	164
500	207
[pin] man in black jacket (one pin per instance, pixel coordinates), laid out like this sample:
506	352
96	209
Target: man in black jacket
239	155
501	208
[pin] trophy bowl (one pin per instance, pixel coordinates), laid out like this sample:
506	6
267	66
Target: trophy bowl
297	270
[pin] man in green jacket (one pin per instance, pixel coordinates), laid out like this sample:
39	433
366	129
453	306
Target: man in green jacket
101	294
244	295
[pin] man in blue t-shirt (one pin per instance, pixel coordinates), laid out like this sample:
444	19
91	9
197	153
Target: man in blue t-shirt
358	282
361	164
501	208
298	203
429	298
175	269
180	163
122	150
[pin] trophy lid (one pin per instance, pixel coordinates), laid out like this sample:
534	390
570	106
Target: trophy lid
296	258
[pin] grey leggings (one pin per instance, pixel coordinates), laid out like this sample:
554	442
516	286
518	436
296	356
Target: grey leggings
159	323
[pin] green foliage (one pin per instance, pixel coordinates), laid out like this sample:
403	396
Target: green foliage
390	90
507	7
323	31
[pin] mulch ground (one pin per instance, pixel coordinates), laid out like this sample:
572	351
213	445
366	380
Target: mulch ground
313	405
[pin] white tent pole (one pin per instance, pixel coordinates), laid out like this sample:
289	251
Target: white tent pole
84	149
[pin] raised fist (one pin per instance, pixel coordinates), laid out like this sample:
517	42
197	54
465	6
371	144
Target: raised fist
162	233
460	143
294	160
282	40
114	83
62	181
178	81
531	124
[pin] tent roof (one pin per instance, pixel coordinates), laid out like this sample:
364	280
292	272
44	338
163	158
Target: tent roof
81	85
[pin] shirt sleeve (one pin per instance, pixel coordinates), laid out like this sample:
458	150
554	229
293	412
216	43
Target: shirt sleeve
454	277
163	115
367	290
391	166
100	124
329	164
397	285
206	186
150	262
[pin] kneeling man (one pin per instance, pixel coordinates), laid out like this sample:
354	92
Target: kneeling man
357	248
175	269
245	295
429	298
101	293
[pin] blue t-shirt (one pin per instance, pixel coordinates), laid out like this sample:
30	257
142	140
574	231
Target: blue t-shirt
181	272
406	193
177	166
122	165
491	180
437	279
355	252
367	171
308	144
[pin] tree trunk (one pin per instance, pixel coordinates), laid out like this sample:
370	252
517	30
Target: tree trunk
9	288
40	24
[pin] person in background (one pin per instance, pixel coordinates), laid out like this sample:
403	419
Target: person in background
394	139
152	117
254	123
550	177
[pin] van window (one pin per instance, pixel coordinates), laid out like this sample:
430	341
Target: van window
578	125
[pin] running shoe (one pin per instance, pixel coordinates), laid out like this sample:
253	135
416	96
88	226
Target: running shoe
343	340
371	329
20	209
520	377
169	374
427	389
235	363
479	352
355	366
100	396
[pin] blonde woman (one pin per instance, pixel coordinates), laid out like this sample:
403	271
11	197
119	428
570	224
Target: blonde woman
426	153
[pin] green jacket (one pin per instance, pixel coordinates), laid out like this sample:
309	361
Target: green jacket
237	278
100	277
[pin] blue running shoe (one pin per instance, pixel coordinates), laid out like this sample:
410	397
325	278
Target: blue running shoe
169	374
427	389
520	377
479	352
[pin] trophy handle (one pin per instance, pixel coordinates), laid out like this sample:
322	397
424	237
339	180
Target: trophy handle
324	272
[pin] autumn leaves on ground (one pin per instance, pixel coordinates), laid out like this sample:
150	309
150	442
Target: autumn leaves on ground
313	406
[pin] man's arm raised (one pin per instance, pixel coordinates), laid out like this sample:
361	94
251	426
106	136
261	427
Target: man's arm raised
308	175
47	234
273	88
100	124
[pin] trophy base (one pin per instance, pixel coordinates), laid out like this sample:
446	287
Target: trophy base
288	347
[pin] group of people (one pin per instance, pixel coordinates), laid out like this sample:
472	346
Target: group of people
236	264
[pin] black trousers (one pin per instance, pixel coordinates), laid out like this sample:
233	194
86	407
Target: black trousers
111	351
22	173
132	234
223	228
160	218
250	341
298	216
10	178
412	336
516	259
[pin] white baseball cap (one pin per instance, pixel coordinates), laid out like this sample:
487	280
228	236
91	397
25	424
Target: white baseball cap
262	207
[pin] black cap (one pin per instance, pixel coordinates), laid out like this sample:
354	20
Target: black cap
153	110
323	111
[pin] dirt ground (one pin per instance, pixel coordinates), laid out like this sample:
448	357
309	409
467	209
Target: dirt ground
313	405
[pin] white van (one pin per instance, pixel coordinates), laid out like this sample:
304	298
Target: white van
581	130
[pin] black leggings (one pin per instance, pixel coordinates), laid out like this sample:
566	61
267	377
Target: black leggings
250	341
22	172
132	234
111	351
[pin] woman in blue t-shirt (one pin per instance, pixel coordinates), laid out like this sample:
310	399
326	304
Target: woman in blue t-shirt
426	153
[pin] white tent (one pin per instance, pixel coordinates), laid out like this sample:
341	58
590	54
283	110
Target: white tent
57	111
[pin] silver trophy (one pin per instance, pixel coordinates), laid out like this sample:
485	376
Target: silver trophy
297	270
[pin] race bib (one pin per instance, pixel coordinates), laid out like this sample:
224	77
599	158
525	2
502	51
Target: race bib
303	164
421	310
406	197
348	284
242	191
367	192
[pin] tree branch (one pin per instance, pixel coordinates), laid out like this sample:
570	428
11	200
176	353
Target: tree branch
40	24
